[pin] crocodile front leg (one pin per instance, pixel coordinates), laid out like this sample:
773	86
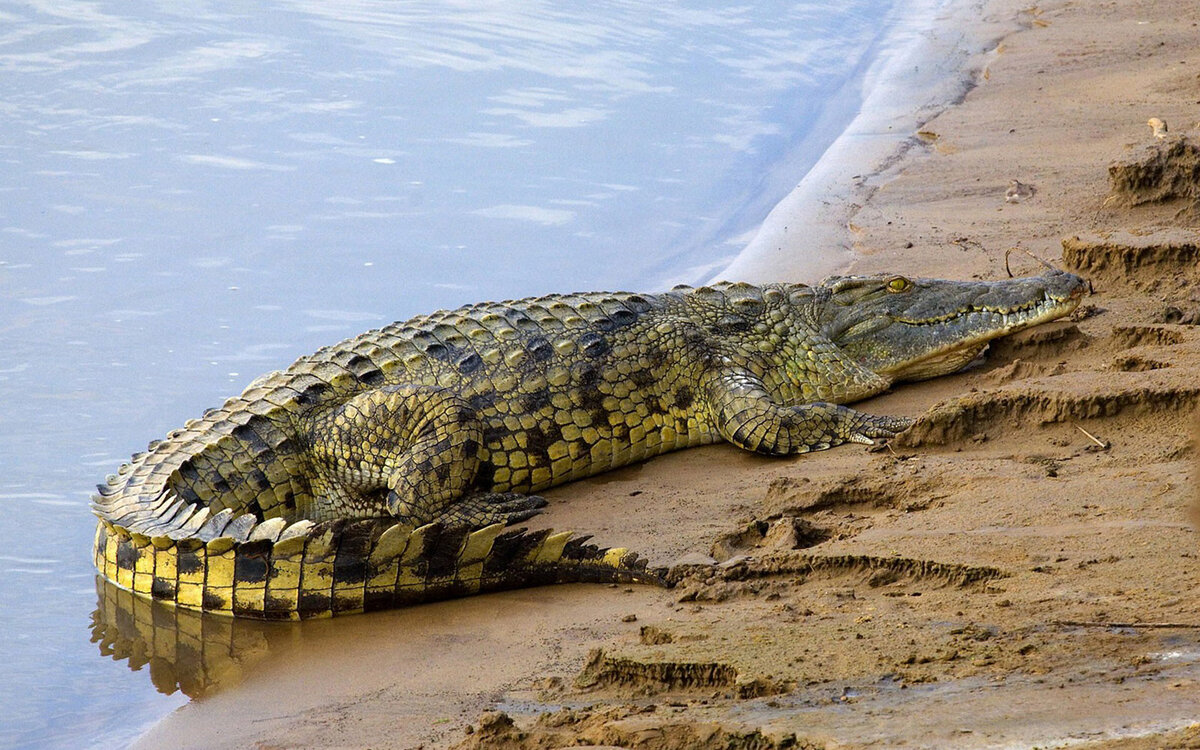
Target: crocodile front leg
747	416
411	452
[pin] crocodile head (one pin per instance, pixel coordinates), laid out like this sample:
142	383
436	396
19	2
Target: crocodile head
911	329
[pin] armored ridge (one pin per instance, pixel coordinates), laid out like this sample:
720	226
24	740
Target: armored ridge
350	566
383	470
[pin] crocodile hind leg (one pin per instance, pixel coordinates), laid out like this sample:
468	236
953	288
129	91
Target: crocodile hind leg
747	417
411	452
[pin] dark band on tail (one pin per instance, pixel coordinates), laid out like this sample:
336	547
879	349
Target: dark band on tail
305	570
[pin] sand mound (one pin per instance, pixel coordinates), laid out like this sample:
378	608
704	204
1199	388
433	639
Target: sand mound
1162	172
618	728
1161	260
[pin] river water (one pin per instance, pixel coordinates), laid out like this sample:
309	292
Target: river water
195	194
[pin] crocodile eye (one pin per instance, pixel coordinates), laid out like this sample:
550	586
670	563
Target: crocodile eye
899	284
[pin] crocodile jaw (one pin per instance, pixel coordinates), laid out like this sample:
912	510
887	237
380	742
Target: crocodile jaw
951	360
937	327
967	336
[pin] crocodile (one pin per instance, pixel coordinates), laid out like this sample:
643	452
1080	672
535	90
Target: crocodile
388	469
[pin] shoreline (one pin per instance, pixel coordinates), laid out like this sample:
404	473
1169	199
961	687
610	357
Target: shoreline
845	658
869	107
942	41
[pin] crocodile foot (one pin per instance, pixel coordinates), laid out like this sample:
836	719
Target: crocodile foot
492	507
870	429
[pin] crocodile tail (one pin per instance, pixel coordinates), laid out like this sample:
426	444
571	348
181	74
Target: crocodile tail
243	456
271	570
239	457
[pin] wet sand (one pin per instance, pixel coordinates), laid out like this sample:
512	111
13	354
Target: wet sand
1020	569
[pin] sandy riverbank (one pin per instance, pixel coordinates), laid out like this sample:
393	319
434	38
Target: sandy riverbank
998	578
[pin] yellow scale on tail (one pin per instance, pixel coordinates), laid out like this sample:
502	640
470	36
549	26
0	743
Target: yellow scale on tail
297	576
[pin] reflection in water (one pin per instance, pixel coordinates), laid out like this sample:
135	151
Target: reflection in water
186	651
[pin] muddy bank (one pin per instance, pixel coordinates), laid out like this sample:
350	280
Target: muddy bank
1020	569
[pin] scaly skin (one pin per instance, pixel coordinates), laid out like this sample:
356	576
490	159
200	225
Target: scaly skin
382	470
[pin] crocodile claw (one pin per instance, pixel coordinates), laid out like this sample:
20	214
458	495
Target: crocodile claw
519	507
493	507
871	430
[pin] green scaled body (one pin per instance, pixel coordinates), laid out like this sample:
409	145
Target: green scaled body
383	470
